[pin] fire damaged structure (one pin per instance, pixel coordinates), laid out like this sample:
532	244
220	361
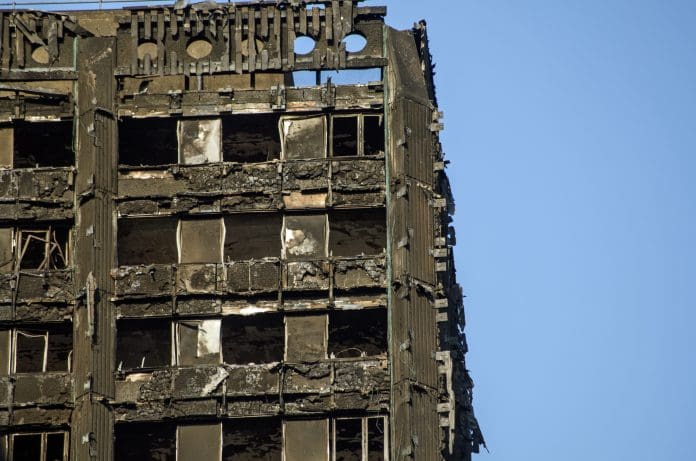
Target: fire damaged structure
225	235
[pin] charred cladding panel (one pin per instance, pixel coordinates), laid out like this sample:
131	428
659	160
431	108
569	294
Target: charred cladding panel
224	235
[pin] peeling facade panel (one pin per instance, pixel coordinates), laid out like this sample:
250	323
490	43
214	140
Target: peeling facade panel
202	258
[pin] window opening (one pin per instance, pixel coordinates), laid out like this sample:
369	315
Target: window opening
352	76
357	232
358	333
248	439
357	135
147	241
345	136
43	144
143	343
47	446
253	339
252	236
146	441
147	141
38	351
348	439
250	138
43	249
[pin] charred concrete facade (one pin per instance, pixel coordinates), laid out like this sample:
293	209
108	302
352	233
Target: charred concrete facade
205	256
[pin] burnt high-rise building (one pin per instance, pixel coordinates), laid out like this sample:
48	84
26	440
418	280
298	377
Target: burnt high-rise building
225	235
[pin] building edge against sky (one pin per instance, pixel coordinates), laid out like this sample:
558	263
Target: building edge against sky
214	244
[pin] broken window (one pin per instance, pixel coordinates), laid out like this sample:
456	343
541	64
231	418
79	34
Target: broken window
199	141
357	232
147	241
250	138
306	440
253	339
304	137
198	442
43	249
305	338
42	350
373	135
352	76
359	439
143	343
147	141
45	446
147	441
42	144
376	448
348	439
358	333
198	342
304	77
357	135
304	237
251	439
252	236
344	137
200	240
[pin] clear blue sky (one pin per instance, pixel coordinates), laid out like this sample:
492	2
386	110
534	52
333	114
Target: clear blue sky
571	128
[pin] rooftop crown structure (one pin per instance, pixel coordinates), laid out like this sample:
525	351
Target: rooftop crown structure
217	245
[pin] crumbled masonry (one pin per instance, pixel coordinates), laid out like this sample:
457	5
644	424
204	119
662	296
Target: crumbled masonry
215	245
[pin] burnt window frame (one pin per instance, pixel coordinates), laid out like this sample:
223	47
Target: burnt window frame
172	221
50	242
153	120
337	216
13	349
138	369
11	136
360	141
280	324
336	315
10	443
365	440
227	121
331	433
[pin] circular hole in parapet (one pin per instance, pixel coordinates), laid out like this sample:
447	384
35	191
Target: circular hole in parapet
304	44
355	42
146	48
40	55
259	45
199	48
